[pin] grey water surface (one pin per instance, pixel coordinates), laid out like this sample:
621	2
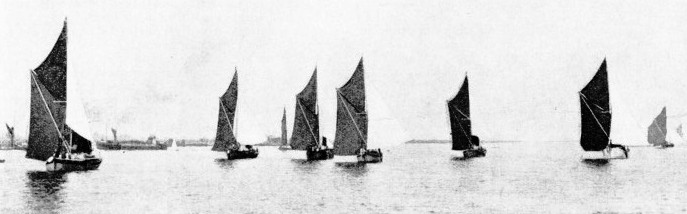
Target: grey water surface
514	177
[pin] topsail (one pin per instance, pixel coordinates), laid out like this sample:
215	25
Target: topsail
351	115
225	138
595	112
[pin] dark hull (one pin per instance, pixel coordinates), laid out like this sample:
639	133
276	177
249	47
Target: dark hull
371	156
112	146
473	153
236	154
67	165
322	154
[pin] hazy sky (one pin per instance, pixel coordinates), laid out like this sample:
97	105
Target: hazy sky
158	67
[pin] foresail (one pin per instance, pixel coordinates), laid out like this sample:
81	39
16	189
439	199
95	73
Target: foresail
306	124
595	112
459	113
225	139
658	129
351	128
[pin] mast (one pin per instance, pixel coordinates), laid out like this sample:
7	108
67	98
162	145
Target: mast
283	129
656	133
225	138
306	123
351	115
595	112
459	115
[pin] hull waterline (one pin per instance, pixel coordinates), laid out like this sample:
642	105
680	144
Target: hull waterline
67	165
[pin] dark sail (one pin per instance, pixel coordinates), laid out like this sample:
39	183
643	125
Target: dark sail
306	123
48	101
80	143
351	115
595	112
225	139
459	115
283	129
656	133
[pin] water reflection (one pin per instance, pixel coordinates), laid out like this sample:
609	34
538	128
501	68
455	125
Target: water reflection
224	163
305	166
596	162
355	169
44	191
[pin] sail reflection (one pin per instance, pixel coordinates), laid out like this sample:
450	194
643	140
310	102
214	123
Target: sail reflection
355	169
224	163
44	194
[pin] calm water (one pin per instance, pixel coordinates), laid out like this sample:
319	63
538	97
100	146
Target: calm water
514	177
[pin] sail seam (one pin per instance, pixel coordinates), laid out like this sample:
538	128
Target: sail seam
584	99
351	116
307	122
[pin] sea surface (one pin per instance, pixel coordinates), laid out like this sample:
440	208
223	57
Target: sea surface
514	177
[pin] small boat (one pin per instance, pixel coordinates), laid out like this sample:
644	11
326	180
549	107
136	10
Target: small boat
306	124
595	110
55	132
461	125
284	145
679	132
351	120
657	131
225	140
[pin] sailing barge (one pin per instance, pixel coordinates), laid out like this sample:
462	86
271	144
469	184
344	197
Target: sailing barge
351	120
657	131
283	142
595	110
54	136
306	124
225	140
461	124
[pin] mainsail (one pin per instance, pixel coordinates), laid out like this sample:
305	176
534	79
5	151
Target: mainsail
48	130
306	123
225	138
595	112
351	115
459	113
283	129
656	133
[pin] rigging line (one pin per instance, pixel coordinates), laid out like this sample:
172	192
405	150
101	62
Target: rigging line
307	122
584	99
351	116
461	127
226	115
59	133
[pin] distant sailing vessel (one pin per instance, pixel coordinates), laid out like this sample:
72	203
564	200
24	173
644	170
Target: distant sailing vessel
306	124
461	124
174	146
351	120
657	131
11	144
225	140
284	145
53	135
595	112
679	132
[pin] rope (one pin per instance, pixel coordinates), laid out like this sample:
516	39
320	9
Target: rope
50	112
351	116
584	99
307	122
